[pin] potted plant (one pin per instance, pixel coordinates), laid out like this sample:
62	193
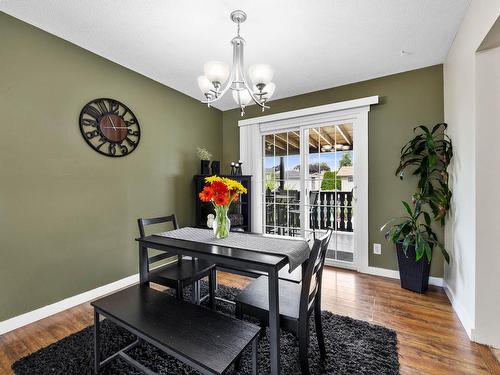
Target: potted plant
415	240
427	155
205	158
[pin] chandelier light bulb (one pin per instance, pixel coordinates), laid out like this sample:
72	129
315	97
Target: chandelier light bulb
205	85
216	72
242	97
261	74
269	89
264	93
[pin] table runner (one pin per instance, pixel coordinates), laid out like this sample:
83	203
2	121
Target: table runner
296	250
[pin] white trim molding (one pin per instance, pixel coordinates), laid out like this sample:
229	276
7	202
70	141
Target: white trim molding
394	274
462	314
333	107
46	311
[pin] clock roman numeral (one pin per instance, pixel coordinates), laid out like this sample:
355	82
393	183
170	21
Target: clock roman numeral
103	142
133	132
130	142
91	134
89	122
102	106
125	111
92	112
114	107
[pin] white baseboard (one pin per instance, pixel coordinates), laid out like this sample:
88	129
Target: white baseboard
460	311
491	340
43	312
339	264
393	274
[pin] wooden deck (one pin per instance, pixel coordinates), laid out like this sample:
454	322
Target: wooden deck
431	338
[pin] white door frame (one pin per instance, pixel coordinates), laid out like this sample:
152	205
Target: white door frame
353	111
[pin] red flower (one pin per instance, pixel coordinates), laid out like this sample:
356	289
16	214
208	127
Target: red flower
219	187
221	199
207	194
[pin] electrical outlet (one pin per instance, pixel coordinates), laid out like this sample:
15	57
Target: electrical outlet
377	248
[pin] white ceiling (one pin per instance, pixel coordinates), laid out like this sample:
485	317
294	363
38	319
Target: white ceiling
312	45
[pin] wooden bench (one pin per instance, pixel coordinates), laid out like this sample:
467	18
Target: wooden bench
205	340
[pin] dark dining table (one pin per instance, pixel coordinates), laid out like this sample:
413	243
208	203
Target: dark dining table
229	258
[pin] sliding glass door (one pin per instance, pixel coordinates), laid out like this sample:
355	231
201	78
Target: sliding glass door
308	185
282	183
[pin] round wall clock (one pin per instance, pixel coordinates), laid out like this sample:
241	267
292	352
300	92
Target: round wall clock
109	127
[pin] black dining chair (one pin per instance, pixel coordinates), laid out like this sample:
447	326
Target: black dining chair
182	272
296	303
313	212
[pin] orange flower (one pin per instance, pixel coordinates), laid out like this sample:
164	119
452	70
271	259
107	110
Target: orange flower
207	194
221	199
235	198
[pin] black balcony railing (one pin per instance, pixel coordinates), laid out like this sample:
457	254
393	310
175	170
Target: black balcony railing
332	209
333	206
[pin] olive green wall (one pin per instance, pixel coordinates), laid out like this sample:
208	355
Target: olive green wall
68	214
406	100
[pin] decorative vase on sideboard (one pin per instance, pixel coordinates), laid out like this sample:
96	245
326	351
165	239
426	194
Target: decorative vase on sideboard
215	167
205	167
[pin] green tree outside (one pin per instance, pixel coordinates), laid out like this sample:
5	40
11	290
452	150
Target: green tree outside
330	182
315	168
346	160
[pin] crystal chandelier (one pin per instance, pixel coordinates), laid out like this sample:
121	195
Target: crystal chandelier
218	78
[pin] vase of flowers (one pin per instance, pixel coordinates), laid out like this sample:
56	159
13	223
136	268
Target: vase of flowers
221	192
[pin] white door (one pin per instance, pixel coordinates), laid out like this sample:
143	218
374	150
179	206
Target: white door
310	173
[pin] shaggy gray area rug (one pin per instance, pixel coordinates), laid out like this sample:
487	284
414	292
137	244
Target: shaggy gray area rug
353	347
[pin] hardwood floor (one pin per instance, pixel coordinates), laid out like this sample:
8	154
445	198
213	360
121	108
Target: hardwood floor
431	338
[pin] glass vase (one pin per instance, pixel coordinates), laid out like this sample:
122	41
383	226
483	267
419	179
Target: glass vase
222	224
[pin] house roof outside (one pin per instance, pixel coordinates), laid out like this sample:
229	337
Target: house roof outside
345	171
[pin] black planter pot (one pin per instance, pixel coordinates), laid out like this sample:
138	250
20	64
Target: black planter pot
205	167
414	274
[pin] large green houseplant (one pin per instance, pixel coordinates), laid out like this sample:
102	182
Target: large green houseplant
427	155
